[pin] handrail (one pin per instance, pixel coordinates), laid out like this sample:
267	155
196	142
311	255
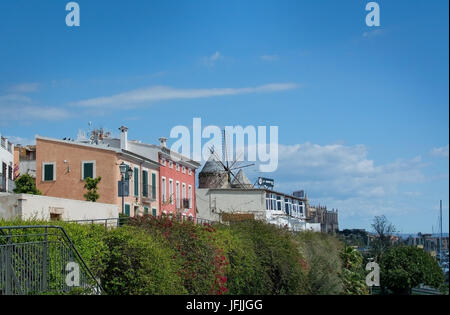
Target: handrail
66	239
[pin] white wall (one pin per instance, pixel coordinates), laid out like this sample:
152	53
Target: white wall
7	158
211	202
27	207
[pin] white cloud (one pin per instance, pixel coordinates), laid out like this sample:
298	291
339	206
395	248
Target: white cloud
269	57
21	140
440	152
211	60
342	172
15	107
25	88
161	93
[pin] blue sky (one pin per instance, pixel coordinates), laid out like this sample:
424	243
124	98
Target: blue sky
362	112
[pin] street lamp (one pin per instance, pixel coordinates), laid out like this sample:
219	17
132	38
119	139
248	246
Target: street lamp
123	170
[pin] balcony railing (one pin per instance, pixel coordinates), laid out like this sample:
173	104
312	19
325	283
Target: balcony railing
148	193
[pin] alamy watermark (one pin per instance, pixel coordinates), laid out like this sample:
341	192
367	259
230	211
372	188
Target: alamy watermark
373	278
233	143
73	276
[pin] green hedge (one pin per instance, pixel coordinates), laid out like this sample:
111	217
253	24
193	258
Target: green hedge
160	256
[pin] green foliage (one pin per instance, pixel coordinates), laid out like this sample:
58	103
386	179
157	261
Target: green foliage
140	264
406	267
353	276
25	184
322	255
202	262
91	185
277	259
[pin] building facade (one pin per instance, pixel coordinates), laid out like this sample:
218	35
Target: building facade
328	220
25	160
62	167
6	165
176	179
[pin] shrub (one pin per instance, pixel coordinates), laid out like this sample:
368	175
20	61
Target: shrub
202	262
140	264
321	252
25	184
277	256
353	275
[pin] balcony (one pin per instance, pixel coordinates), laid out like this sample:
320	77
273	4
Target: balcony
148	194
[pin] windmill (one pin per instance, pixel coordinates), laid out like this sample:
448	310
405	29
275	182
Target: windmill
228	168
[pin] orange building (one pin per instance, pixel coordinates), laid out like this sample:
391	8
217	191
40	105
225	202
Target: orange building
63	165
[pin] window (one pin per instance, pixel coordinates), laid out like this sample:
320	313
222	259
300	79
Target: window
153	186
154	212
127	209
271	201
178	167
171	191
145	183
163	161
189	172
170	164
87	169
48	172
184	194
190	196
279	203
136	182
178	194
145	210
163	189
184	170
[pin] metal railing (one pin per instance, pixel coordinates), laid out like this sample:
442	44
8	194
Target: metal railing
42	260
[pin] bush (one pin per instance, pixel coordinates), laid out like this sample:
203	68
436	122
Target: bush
202	262
321	253
140	264
277	257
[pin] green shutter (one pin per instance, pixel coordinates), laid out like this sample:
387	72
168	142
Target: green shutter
136	182
126	173
48	172
88	170
145	183
145	210
127	210
154	212
153	186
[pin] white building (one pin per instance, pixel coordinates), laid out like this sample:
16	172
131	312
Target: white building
255	203
6	165
30	207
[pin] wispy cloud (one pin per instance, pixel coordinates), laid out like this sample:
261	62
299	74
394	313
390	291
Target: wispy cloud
269	57
161	93
213	59
20	140
373	33
440	152
16	107
24	88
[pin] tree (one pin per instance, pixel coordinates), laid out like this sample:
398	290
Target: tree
353	276
91	186
384	231
405	267
25	184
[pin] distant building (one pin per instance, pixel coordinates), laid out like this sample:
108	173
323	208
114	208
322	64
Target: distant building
328	220
222	199
25	160
6	165
428	242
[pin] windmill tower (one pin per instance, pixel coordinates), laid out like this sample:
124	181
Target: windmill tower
218	171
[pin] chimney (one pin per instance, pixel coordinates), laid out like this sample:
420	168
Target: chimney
123	138
163	142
